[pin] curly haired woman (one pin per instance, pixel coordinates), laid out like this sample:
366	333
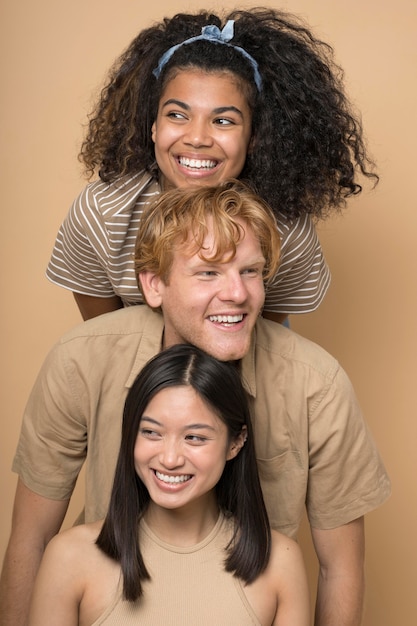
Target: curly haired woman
194	100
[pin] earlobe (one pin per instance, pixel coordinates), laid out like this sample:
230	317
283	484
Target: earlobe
151	288
153	130
237	444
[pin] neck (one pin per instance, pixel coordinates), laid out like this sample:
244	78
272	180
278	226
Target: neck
185	526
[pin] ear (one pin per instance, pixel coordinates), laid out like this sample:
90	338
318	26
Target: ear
153	130
237	444
152	287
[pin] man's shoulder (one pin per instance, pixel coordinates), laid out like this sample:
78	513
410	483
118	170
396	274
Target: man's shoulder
131	320
275	341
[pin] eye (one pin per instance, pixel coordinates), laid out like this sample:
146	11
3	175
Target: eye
148	433
197	439
251	271
176	115
223	121
207	273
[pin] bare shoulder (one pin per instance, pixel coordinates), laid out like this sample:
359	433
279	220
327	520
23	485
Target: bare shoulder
84	533
76	580
283	547
279	596
286	565
73	560
69	545
288	578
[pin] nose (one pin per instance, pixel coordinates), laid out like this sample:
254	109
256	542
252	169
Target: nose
171	455
198	134
233	289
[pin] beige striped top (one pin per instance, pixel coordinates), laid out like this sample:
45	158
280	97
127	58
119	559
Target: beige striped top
94	249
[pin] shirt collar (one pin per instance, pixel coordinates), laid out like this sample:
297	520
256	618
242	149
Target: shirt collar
150	342
248	367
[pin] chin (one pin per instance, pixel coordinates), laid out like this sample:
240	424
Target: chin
229	355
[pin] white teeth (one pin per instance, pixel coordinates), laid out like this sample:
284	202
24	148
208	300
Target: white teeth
226	319
172	479
197	163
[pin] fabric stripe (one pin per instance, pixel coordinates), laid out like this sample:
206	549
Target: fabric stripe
94	249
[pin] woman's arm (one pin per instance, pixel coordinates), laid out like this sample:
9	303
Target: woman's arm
280	318
58	587
90	306
76	582
291	584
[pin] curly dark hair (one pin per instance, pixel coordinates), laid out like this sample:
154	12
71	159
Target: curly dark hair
308	146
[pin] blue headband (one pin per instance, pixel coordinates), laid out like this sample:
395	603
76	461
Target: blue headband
212	33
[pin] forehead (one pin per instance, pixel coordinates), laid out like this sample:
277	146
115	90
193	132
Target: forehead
181	404
219	83
213	244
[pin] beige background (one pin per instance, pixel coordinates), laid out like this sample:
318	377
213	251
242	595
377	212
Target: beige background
53	56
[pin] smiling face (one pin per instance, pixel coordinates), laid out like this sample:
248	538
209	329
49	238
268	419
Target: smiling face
202	130
213	306
181	449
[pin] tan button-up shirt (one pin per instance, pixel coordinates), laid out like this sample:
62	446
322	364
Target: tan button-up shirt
313	446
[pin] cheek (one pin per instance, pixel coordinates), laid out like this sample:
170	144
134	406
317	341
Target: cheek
237	152
136	459
159	134
186	296
261	290
163	135
139	455
141	468
257	291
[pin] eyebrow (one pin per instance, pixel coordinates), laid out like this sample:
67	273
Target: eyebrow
204	263
196	426
216	111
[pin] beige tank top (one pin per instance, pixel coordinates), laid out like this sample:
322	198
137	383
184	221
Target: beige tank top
188	586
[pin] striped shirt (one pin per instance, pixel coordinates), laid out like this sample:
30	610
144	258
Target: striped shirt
94	249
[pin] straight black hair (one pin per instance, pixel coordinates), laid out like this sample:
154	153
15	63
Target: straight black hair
238	490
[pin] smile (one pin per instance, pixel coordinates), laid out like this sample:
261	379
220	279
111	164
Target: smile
228	320
172	479
197	164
